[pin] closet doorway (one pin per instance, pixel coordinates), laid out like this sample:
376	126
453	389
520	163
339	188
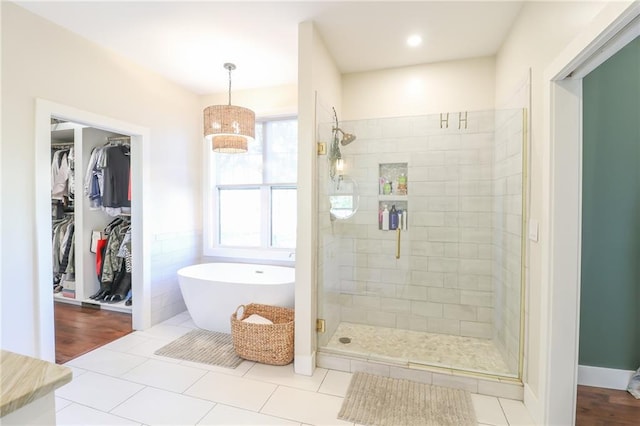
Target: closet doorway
91	237
85	286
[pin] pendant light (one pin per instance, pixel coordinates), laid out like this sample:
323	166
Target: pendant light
229	127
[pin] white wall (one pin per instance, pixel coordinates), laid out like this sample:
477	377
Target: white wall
1	181
318	87
542	31
42	60
265	102
452	86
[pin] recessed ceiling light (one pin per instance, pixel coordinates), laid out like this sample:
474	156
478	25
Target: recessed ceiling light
414	40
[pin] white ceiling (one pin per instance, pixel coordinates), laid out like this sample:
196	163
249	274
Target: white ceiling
188	42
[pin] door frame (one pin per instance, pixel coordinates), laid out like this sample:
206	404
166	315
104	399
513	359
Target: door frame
140	234
613	28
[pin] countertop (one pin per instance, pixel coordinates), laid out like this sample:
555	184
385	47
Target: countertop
24	379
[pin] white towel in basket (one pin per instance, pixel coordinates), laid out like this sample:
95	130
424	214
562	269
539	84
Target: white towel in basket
257	319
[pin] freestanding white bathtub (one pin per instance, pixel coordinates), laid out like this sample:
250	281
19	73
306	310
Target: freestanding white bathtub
213	291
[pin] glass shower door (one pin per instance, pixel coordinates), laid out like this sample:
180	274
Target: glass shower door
428	270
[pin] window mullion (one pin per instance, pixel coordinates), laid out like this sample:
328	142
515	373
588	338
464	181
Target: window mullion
266	189
265	152
266	218
215	216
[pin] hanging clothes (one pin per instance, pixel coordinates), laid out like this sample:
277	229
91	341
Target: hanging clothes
116	177
113	262
91	180
60	171
123	292
63	242
62	180
107	179
71	182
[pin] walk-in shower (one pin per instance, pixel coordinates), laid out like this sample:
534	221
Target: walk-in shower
442	285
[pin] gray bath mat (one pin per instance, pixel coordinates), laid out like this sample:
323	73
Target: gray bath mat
377	400
207	347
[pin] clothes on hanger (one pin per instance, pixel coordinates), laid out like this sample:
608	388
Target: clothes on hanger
60	173
107	184
62	180
106	181
113	262
63	239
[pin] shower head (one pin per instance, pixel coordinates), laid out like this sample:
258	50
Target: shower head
347	138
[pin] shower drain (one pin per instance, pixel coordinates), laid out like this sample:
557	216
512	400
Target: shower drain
344	340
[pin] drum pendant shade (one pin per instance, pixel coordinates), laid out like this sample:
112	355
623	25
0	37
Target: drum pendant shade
229	127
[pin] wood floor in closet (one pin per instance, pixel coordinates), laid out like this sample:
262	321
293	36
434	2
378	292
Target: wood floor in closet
79	330
606	407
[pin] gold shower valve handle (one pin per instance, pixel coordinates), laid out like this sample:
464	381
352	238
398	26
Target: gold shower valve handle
398	244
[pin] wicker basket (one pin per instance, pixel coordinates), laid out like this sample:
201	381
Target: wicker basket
266	343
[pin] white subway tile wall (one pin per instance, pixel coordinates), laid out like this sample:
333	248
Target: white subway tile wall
507	233
459	264
170	252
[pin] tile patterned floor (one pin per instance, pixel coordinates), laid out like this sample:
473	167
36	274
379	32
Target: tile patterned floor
442	350
124	383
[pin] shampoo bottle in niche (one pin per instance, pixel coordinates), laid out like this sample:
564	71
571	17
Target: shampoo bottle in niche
385	218
402	184
393	218
387	188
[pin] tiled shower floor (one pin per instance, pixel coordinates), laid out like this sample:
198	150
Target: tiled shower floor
441	350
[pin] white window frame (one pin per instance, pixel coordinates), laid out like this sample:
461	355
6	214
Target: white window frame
211	219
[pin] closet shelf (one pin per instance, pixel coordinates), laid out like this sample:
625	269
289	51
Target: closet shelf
117	307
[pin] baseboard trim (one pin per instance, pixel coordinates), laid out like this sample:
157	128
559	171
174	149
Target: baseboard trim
601	377
305	364
533	405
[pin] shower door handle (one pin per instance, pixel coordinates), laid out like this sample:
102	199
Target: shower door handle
398	244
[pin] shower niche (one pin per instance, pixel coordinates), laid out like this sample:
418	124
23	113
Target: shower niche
392	179
393	196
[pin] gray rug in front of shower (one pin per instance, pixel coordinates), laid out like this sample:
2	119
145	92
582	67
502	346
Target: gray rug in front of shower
377	400
207	347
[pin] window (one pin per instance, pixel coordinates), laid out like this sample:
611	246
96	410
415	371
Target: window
252	196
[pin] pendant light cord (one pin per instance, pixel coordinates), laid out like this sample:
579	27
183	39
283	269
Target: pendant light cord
230	67
229	86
